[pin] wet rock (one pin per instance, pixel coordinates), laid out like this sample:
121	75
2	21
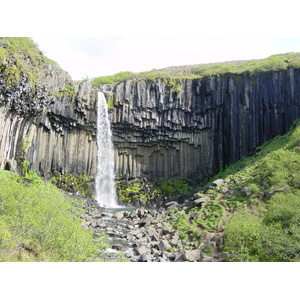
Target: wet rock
118	247
119	215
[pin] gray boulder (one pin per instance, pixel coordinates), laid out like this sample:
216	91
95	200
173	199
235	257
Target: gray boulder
218	182
200	201
141	250
164	245
192	255
119	215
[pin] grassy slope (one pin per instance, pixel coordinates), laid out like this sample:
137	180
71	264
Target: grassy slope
39	223
258	205
272	63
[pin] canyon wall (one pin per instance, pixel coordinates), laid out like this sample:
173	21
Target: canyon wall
165	127
168	127
51	124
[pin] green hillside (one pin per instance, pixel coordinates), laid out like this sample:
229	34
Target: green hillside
40	223
256	204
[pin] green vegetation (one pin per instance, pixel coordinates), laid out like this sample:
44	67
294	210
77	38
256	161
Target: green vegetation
273	63
112	79
21	55
176	188
74	183
39	223
27	46
135	192
257	205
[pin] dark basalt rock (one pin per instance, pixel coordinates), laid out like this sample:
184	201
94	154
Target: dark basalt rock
53	129
208	124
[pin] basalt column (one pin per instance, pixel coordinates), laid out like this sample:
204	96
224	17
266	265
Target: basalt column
179	127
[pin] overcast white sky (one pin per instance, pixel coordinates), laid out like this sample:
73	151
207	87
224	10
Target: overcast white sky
98	56
97	38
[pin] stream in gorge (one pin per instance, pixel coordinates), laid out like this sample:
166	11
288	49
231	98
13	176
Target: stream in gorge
143	235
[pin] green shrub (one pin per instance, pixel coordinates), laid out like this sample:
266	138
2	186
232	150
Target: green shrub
74	183
273	236
175	189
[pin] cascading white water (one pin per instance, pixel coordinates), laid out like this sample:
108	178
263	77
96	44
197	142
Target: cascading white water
105	191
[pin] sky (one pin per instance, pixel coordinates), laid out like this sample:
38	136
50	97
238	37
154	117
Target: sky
89	57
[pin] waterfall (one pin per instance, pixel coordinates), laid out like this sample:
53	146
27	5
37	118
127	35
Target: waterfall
105	191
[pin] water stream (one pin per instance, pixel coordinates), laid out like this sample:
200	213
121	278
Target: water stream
105	191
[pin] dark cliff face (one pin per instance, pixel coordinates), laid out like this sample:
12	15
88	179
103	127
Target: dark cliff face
164	128
51	124
200	125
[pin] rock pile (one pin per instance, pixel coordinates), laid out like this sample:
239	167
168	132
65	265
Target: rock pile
152	238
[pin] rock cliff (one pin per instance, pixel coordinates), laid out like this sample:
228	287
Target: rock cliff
163	127
46	118
179	127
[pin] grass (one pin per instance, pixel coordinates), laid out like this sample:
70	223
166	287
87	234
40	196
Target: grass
27	46
21	56
272	63
39	223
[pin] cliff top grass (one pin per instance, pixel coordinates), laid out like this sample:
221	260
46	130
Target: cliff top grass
26	45
276	62
21	55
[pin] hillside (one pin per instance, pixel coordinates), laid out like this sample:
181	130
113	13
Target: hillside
253	206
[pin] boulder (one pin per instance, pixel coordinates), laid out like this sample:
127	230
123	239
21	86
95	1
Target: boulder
218	182
174	241
171	204
146	257
141	250
152	233
164	245
192	255
207	258
119	215
200	201
146	219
